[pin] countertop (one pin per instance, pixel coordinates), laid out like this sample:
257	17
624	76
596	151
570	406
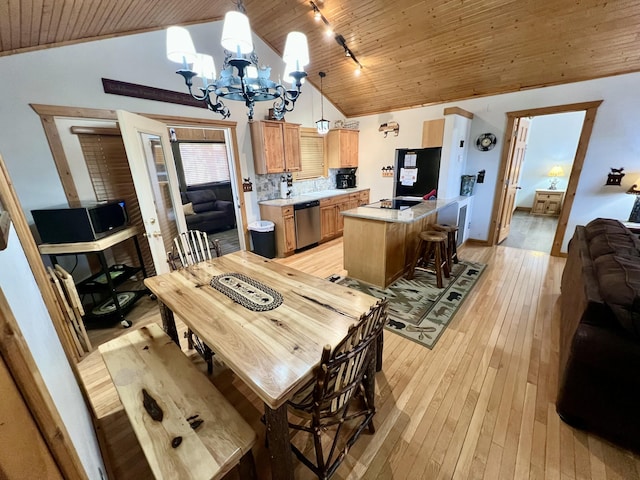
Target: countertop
283	202
409	215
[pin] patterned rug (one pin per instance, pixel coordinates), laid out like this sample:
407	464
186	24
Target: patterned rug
418	309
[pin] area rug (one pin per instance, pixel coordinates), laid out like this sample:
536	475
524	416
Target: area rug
418	309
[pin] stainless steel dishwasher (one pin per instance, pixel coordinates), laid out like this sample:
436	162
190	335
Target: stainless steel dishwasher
307	218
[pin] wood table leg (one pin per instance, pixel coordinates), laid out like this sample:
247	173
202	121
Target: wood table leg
279	443
168	322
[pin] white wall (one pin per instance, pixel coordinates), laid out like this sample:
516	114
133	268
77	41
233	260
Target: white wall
614	143
27	306
553	140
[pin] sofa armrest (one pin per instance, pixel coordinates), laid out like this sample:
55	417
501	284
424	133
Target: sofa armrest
224	206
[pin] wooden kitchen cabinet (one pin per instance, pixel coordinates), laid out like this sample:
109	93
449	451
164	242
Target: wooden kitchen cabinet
331	224
432	133
342	148
328	220
364	198
285	227
331	221
276	146
548	202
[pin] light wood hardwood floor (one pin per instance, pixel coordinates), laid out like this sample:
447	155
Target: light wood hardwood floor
481	404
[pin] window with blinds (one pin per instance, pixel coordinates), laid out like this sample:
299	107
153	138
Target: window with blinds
312	155
204	163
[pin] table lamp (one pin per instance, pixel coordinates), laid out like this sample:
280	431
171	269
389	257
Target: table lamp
634	216
554	173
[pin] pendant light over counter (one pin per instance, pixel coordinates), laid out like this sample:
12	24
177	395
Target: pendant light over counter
322	124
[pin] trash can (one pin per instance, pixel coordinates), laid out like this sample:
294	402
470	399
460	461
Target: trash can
263	238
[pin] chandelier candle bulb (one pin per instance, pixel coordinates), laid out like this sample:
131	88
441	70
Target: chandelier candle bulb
205	68
180	47
236	34
296	50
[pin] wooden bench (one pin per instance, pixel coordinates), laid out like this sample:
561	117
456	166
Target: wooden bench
185	427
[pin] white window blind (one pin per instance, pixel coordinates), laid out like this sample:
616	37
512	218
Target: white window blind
312	155
204	163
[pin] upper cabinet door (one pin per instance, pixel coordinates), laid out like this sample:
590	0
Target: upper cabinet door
156	182
276	146
342	148
292	147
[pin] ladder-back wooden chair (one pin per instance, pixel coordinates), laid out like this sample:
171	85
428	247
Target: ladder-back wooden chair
189	248
336	397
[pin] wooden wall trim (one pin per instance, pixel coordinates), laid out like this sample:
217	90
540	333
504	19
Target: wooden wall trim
10	201
574	177
240	199
591	109
16	352
571	107
179	120
80	112
458	111
60	159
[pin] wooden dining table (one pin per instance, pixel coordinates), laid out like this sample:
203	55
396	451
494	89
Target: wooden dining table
274	351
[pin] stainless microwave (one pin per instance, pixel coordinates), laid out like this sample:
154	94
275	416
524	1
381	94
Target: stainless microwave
86	223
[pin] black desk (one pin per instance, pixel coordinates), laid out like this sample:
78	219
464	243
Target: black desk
98	247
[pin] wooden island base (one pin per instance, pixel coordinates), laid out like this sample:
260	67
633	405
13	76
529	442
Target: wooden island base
380	241
378	252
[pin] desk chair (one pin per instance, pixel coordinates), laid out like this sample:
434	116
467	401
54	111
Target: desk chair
189	248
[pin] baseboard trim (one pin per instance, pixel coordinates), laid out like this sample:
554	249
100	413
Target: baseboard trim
523	209
475	241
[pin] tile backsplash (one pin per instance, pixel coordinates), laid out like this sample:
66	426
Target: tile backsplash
268	186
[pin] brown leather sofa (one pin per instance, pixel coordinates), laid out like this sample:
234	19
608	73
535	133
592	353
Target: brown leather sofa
599	377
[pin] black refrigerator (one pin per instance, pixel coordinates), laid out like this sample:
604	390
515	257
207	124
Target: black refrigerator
416	171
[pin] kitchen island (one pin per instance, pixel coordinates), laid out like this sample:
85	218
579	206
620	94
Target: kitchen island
380	240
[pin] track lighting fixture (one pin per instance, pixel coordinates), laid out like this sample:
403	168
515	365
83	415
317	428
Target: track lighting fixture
317	14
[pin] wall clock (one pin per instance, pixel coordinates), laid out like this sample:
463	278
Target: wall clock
486	141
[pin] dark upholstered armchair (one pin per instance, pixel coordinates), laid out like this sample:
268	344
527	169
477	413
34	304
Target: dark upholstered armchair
204	212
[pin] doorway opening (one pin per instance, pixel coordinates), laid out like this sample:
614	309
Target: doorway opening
202	157
551	145
509	173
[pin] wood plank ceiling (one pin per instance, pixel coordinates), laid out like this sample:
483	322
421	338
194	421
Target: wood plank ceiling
413	52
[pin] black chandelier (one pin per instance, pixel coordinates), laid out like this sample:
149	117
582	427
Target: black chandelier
241	79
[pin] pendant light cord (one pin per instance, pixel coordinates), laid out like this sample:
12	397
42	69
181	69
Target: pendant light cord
322	75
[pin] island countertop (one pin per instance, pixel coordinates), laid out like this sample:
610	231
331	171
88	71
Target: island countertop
375	211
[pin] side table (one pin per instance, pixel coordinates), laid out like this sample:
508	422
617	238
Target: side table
547	202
